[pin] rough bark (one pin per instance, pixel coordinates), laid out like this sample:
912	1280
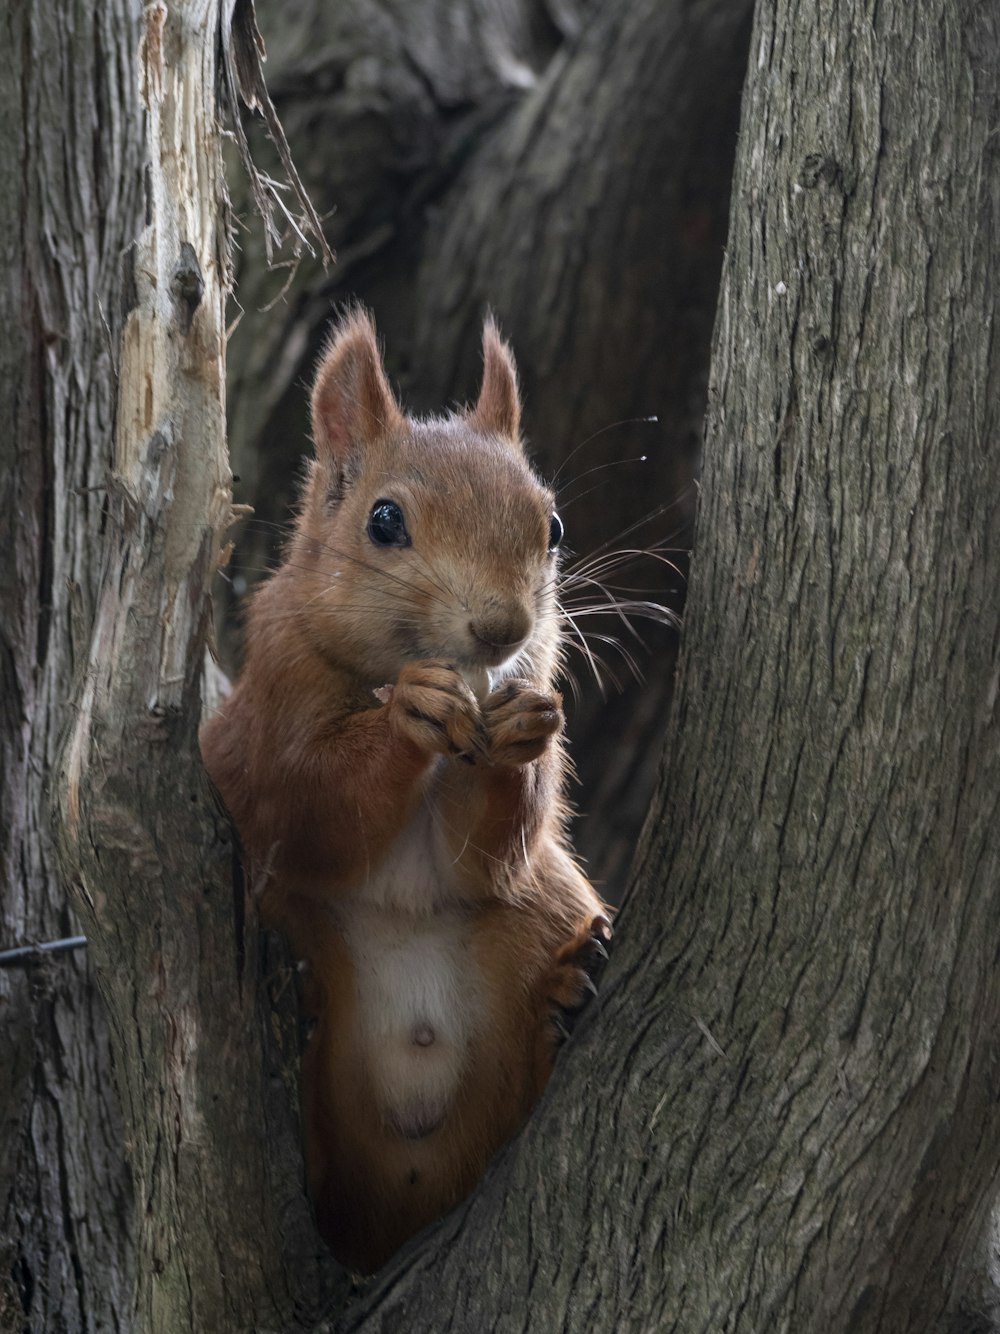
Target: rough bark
578	185
848	963
220	1230
66	1212
792	1121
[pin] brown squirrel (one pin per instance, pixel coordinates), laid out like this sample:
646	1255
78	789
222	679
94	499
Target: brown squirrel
391	757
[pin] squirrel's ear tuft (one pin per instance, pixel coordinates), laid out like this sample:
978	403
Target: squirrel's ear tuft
498	411
352	403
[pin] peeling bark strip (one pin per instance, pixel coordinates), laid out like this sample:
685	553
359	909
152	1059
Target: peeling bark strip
139	837
243	57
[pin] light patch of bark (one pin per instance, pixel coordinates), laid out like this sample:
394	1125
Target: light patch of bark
218	1184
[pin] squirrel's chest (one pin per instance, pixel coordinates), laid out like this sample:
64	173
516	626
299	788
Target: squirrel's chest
417	873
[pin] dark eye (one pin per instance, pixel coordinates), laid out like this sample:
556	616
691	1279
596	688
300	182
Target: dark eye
555	531
386	526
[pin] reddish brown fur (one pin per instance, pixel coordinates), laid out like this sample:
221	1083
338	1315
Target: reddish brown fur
427	829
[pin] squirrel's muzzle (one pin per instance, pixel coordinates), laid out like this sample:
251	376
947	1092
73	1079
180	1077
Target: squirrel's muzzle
500	634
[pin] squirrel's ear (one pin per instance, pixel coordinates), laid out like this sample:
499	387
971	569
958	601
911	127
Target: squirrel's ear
498	411
352	403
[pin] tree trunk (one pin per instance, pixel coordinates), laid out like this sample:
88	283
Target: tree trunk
845	956
67	1221
139	487
783	1114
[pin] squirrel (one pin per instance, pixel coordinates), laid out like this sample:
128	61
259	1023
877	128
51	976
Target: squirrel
391	756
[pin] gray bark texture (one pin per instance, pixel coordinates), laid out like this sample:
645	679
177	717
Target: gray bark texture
70	202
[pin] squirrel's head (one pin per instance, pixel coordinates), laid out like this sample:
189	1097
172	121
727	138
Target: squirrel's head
423	539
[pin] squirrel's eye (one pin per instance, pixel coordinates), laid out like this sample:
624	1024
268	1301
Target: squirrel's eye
555	531
386	525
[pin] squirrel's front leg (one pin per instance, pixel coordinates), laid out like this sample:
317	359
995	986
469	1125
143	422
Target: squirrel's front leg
430	711
495	807
320	818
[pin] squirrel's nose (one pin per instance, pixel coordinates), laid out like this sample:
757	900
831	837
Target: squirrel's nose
502	631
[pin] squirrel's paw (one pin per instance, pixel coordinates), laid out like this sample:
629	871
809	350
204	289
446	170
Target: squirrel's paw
432	707
575	968
520	720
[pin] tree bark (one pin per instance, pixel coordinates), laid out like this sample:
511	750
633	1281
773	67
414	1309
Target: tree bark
220	1229
67	1218
783	1113
845	955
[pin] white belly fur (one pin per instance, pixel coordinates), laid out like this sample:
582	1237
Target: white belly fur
420	995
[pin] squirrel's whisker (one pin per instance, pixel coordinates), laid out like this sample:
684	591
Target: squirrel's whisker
611	426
